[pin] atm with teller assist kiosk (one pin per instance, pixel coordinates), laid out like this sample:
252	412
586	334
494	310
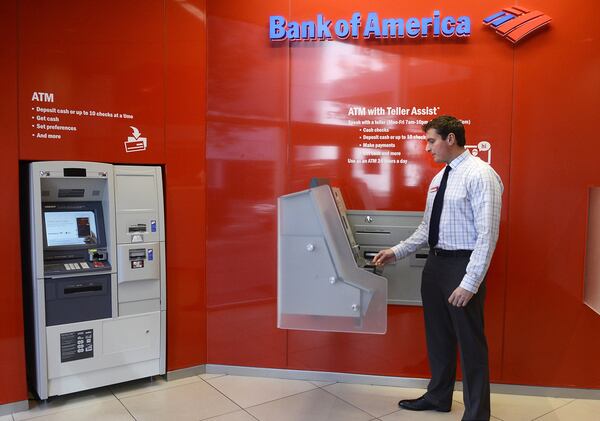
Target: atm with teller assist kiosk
323	281
325	278
97	297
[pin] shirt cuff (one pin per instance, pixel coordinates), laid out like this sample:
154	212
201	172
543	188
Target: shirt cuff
397	249
469	284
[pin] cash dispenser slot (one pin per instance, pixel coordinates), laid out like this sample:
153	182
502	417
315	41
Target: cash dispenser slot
369	255
137	228
82	289
137	254
77	299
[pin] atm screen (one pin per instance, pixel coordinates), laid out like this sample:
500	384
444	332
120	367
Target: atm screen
70	228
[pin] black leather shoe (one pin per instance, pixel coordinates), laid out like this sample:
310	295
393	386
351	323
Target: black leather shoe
420	404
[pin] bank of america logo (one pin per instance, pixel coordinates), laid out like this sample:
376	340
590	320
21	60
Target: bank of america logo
515	23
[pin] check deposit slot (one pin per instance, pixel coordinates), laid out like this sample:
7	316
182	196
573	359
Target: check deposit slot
97	277
324	283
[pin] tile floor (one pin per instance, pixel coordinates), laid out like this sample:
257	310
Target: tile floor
219	397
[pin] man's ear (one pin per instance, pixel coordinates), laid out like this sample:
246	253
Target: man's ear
451	139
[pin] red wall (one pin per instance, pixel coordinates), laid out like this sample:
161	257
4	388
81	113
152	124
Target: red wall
143	58
13	385
551	337
185	132
251	125
272	107
266	133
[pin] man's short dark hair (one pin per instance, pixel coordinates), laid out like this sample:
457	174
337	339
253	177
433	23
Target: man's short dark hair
446	124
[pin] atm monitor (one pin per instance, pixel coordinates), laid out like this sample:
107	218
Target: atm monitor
72	225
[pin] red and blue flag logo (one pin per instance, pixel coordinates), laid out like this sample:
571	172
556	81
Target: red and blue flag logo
515	23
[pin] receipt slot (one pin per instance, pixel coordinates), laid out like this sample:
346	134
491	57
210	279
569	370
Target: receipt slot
323	281
97	286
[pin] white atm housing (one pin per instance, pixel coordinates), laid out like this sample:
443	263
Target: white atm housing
98	275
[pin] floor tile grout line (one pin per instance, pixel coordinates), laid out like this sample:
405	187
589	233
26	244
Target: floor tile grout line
123	405
221	415
384	415
351	404
283	397
76	406
199	380
92	401
315	387
257	419
225	396
157	390
210	378
496	418
555	409
491	415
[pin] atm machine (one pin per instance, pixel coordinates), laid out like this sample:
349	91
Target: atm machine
98	305
325	279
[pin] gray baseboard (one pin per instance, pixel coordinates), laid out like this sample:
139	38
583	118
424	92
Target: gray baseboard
18	406
186	372
408	382
322	376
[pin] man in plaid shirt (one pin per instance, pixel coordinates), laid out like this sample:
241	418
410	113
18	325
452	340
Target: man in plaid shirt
460	224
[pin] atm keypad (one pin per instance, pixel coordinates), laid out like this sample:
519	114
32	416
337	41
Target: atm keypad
80	265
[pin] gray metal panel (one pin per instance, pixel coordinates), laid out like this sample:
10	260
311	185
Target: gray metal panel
139	290
137	203
139	307
149	268
320	286
308	289
144	184
77	299
378	230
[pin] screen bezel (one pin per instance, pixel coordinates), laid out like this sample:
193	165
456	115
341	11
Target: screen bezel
95	207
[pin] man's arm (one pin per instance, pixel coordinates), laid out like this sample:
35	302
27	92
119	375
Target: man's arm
486	202
417	240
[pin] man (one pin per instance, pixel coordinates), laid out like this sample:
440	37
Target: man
460	225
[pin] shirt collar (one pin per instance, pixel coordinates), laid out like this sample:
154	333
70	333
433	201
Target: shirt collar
459	159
